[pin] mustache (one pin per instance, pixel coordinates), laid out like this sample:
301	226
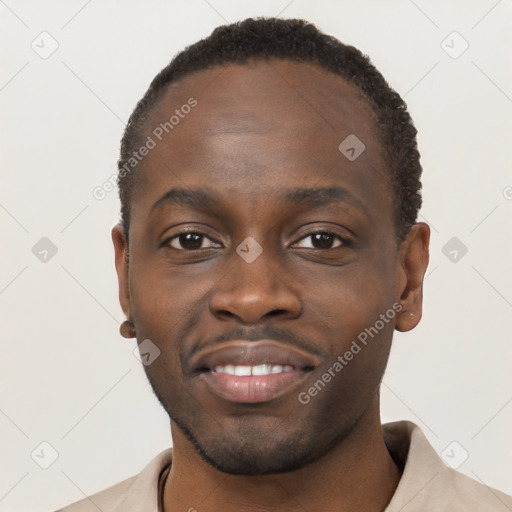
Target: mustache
262	332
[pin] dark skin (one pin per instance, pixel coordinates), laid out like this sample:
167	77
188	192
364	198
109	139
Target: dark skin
260	130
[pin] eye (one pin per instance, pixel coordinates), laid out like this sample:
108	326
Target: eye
190	241
322	240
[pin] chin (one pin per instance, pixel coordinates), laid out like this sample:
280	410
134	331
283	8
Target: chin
251	462
253	453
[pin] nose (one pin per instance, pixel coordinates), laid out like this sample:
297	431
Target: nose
253	292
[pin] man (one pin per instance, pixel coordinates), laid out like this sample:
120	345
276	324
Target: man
268	248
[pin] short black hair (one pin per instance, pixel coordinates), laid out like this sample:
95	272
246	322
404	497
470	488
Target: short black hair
260	39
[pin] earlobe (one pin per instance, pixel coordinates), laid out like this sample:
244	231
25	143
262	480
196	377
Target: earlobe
121	248
413	262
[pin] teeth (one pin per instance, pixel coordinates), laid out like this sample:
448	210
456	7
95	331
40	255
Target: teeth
229	369
260	369
242	371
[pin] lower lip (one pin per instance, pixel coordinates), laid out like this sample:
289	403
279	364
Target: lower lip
254	388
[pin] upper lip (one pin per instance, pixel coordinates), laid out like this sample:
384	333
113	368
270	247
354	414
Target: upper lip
252	353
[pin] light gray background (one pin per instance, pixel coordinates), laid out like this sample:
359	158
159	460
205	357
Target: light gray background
69	379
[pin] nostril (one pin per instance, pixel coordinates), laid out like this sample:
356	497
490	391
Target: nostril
276	312
226	313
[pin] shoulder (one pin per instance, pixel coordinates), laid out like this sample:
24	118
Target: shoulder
105	500
428	484
138	493
466	494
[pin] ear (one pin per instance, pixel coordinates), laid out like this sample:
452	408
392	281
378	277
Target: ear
413	262
121	248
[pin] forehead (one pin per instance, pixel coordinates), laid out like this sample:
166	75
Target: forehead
259	127
262	96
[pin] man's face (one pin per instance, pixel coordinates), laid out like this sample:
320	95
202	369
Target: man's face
261	142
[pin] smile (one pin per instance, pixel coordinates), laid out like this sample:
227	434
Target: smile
252	372
260	369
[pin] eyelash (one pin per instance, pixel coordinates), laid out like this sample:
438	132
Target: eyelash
345	242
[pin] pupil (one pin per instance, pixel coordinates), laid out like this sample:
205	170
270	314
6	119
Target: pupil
322	240
191	240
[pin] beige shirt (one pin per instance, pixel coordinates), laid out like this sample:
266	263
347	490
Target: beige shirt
426	483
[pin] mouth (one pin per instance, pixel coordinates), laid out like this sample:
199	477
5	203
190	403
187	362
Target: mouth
259	369
252	372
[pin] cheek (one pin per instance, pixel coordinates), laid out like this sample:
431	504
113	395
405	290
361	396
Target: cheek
163	302
170	305
167	318
352	295
346	305
356	342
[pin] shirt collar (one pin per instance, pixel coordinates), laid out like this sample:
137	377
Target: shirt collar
405	441
421	465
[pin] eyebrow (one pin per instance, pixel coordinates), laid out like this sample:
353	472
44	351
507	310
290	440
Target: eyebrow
314	197
195	198
202	199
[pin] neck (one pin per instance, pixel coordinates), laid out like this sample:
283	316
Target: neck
358	474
